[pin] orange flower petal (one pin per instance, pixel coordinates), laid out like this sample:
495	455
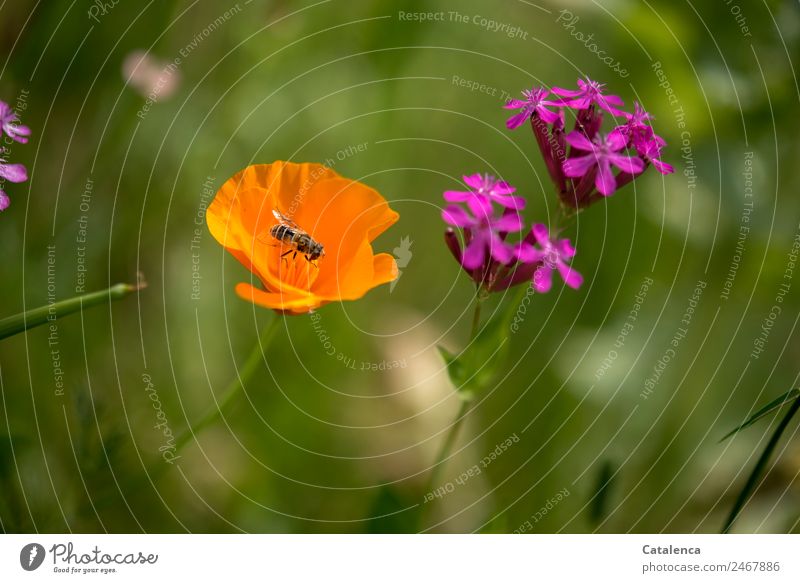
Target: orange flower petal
385	268
296	304
343	215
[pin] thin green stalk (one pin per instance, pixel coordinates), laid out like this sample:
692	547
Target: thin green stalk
761	464
41	315
476	317
452	431
250	366
448	443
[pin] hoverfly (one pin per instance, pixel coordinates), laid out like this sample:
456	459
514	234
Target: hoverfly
298	241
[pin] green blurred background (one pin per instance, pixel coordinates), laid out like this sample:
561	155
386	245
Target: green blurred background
314	445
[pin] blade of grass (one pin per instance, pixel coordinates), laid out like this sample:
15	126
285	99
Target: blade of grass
765	410
602	493
755	475
43	314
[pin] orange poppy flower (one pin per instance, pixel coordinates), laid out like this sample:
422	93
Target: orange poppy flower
343	215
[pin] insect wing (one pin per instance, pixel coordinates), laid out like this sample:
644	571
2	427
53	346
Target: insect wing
285	220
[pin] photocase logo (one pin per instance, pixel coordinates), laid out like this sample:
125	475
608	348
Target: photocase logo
31	556
402	255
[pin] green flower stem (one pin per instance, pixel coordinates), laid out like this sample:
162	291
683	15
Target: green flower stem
452	431
448	443
476	316
466	401
38	316
761	464
250	366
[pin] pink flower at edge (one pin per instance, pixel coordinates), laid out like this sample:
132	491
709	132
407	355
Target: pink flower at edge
484	230
534	103
488	187
9	125
603	153
552	254
13	172
5	202
590	93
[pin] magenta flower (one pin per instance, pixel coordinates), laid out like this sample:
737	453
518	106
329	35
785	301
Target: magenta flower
13	172
8	124
637	133
484	231
485	186
651	152
5	202
550	255
603	153
534	103
590	93
639	117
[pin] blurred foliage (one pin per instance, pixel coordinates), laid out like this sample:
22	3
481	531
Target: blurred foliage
318	445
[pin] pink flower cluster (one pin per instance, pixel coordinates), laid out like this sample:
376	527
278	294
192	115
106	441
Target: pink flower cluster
581	164
490	214
9	125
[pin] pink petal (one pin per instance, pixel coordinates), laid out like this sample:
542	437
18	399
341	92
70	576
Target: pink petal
543	279
515	121
21	130
541	233
5	202
575	167
578	140
509	223
612	110
605	181
456	195
502	187
457	216
514	104
512	202
620	131
626	164
481	207
527	253
474	254
566	92
579	102
13	172
613	100
500	251
616	140
663	167
571	277
17	133
473	180
565	248
547	115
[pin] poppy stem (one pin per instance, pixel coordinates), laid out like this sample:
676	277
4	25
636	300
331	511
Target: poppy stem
236	384
755	475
